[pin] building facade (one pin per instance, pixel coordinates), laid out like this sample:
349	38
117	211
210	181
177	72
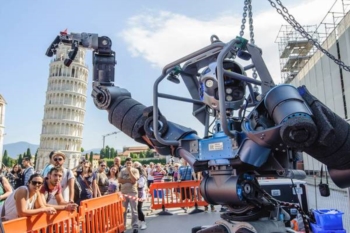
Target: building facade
2	125
326	80
64	109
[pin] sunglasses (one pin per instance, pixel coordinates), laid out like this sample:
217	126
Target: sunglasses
57	159
102	165
35	183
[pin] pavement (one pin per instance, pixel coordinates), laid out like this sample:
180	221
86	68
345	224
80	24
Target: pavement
181	222
178	222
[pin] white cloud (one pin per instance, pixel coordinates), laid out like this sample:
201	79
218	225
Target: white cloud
162	37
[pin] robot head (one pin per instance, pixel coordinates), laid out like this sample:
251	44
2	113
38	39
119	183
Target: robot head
234	89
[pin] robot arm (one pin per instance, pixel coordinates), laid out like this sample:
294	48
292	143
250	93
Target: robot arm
125	113
283	121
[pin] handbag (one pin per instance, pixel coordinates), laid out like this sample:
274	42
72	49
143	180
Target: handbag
324	188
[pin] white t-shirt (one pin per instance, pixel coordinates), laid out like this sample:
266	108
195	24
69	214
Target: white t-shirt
67	175
149	177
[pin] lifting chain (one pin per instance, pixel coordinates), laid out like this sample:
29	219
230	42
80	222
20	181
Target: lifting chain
291	20
248	7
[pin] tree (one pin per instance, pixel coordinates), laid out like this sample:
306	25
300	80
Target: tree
35	157
91	156
82	149
87	156
20	158
111	153
5	159
134	155
149	153
102	153
29	154
142	154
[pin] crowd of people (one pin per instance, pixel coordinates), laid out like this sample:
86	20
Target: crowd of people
58	188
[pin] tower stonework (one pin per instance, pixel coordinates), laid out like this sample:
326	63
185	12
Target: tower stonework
2	126
64	110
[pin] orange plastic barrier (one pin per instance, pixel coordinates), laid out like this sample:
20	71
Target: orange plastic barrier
102	214
63	221
176	195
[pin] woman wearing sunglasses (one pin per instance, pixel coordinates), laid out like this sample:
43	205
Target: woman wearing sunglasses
101	178
25	201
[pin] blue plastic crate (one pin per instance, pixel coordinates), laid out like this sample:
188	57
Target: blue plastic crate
328	220
317	229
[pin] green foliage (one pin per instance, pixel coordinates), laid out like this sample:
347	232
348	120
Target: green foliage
110	162
134	155
87	156
81	149
20	158
91	157
35	158
142	155
149	153
111	153
29	154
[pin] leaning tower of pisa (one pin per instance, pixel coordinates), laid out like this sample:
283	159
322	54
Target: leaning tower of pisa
64	110
2	125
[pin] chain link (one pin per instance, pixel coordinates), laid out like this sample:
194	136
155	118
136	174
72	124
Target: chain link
291	20
245	8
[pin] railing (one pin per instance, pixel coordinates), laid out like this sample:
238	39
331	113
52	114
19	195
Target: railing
176	195
102	214
63	221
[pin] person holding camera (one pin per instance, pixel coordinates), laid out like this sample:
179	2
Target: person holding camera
128	178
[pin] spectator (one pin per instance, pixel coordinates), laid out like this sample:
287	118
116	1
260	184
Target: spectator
141	188
102	179
117	163
5	189
15	176
87	181
175	178
79	168
185	173
158	173
50	165
149	174
25	201
113	180
67	182
28	170
51	189
128	177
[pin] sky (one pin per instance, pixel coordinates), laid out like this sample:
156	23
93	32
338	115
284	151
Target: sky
146	35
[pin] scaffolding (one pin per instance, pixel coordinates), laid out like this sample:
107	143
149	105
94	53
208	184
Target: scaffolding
295	50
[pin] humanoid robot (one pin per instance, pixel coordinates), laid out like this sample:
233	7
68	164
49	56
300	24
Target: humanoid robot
283	121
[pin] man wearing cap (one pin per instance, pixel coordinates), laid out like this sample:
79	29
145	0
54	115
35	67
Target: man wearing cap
28	169
67	182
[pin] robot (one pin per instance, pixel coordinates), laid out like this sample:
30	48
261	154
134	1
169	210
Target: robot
283	121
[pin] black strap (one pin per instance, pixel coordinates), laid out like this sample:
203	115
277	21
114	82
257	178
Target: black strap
322	175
